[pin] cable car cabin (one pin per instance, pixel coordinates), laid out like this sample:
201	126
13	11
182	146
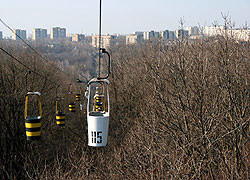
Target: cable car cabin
72	107
32	122
98	112
60	118
72	104
78	96
60	114
71	100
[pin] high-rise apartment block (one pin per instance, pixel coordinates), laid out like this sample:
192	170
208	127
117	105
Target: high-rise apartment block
58	33
1	35
134	38
164	34
19	33
172	36
193	30
138	33
149	35
157	35
39	34
214	30
238	34
106	41
78	37
181	34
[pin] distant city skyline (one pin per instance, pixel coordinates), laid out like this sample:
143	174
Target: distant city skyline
121	17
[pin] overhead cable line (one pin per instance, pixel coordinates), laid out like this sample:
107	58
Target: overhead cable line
100	36
25	65
41	56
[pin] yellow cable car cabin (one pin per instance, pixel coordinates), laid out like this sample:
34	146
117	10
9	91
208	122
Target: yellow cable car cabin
72	107
60	115
60	118
78	96
71	100
32	122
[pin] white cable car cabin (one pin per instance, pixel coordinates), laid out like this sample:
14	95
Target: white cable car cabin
98	108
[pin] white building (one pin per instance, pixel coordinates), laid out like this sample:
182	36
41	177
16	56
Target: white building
240	34
106	41
146	35
214	30
193	30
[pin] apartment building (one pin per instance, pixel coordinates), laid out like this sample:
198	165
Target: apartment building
237	33
134	39
19	32
164	35
78	37
157	35
193	30
39	34
240	34
172	36
106	41
138	33
149	35
214	30
181	34
58	33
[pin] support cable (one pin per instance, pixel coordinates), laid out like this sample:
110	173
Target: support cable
25	65
100	36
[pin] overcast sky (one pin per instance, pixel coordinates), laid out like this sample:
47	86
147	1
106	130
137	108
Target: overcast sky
127	16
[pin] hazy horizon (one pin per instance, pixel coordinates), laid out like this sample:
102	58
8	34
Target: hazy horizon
123	17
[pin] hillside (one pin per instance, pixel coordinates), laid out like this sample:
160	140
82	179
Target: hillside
178	111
